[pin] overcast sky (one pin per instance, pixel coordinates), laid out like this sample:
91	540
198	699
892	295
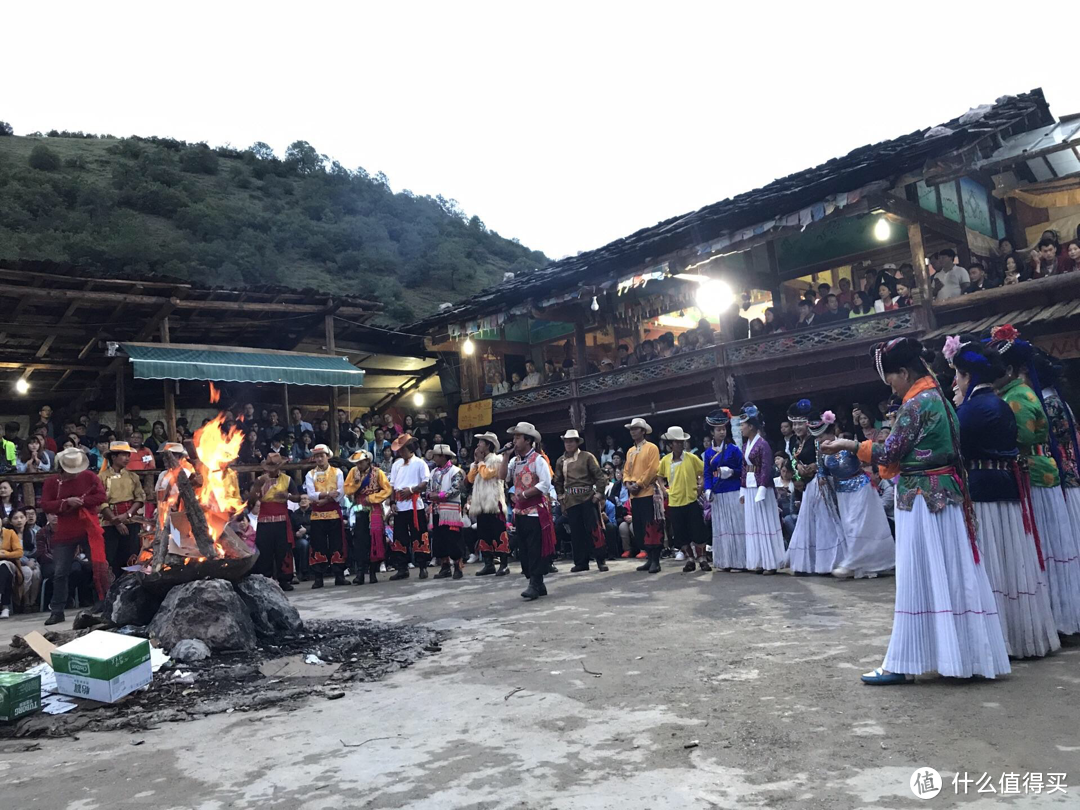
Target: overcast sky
566	125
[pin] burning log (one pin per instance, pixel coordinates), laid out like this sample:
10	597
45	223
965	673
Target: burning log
194	513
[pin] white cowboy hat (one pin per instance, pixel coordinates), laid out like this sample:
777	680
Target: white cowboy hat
174	447
525	428
571	434
359	456
676	434
442	450
488	437
321	448
73	460
638	422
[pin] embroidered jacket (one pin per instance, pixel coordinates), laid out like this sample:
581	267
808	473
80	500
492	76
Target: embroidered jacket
759	459
988	442
1058	413
1033	434
727	455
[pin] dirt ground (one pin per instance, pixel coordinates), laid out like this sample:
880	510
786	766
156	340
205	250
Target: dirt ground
618	690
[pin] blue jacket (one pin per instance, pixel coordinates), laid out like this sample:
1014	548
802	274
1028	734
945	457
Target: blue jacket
988	432
715	458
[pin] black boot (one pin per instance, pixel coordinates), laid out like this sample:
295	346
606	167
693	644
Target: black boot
654	561
56	617
504	566
703	564
339	579
578	568
601	564
317	583
541	587
373	569
690	566
645	566
358	579
402	573
531	592
285	585
458	573
423	572
444	572
489	565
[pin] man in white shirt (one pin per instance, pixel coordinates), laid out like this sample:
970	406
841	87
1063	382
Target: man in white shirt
532	376
327	548
408	479
951	279
530	476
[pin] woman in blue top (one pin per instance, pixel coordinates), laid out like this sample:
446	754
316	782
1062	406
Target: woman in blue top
1001	494
867	548
723	471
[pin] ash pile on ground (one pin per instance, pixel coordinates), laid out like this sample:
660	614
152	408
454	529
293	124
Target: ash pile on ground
235	682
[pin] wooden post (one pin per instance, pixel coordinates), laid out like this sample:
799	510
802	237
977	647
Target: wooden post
169	390
580	358
331	349
922	278
285	397
120	400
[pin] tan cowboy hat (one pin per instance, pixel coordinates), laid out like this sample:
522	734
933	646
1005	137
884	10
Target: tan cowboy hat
360	455
638	422
174	447
400	441
526	429
272	461
489	437
571	434
73	460
321	448
442	450
676	434
120	447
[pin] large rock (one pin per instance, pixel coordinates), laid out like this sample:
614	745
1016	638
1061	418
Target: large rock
208	610
268	607
128	602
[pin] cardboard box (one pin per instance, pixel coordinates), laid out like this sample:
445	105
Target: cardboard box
102	666
20	695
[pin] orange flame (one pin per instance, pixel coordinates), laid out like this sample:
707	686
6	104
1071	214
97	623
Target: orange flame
215	394
219	494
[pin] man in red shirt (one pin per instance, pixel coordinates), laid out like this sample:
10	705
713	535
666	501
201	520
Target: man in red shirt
74	497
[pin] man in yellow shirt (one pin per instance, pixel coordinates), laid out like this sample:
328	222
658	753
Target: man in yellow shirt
682	471
639	474
119	515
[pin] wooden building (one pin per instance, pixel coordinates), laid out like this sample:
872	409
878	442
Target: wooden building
1001	170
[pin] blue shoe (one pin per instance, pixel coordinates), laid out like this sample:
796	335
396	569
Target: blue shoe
880	677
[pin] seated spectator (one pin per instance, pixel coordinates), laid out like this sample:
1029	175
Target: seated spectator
822	302
863	305
498	388
617	460
532	377
11	437
322	431
832	311
11	576
772	323
552	373
846	296
9	500
157	437
665	345
515	381
757	327
806	315
380	441
301	450
274	429
606	366
886	294
1072	256
903	294
138	421
626	357
30	581
647	351
706	335
277	445
386	461
1015	270
950	279
979	281
609	449
142	458
34	458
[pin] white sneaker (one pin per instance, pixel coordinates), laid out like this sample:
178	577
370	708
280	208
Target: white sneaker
411	565
680	557
382	568
472	559
5	613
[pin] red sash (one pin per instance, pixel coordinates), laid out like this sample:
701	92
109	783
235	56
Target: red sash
547	525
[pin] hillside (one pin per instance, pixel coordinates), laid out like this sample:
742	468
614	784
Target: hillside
230	217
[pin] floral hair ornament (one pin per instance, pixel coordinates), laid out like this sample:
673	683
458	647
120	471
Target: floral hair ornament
1004	336
828	417
951	347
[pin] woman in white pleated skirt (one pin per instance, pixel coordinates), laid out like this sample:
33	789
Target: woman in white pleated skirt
868	548
722	474
945	618
764	538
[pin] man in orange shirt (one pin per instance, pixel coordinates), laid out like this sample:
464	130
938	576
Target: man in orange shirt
639	474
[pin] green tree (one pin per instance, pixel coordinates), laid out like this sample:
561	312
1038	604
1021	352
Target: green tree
6	128
304	158
261	151
44	159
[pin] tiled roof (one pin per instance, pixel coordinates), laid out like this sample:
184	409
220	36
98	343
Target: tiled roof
867	164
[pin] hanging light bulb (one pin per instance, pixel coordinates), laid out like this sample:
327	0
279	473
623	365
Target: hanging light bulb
22	386
468	347
882	230
418	400
595	307
714	296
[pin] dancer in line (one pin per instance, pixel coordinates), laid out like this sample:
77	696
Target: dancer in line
487	505
723	472
529	474
1000	490
1059	537
579	484
682	471
817	540
945	619
368	488
328	550
764	538
408	479
444	495
646	500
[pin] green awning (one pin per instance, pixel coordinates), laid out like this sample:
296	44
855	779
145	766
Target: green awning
176	362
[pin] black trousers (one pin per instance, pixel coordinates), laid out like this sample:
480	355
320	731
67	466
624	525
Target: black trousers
530	543
326	547
7	585
120	548
687	523
447	542
63	570
410	533
275	554
647	529
361	539
586	534
493	536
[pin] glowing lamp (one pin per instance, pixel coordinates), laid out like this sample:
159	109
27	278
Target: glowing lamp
714	296
882	230
22	386
468	347
418	400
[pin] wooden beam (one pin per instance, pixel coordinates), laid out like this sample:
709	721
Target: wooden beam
405	390
119	427
922	277
44	366
328	323
169	390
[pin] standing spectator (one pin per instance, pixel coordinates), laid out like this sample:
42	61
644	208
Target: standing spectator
45	417
97	453
141	457
609	449
551	374
387	462
301	523
886	294
379	442
1047	258
979	281
10	456
903	294
138	421
626	357
950	279
42	430
822	303
342	422
34	458
251	450
498	388
1072	256
93	425
789	442
806	315
11	576
274	429
706	335
532	377
297	425
30	587
366	427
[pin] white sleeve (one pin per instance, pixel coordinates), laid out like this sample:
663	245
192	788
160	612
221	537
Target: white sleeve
543	475
309	486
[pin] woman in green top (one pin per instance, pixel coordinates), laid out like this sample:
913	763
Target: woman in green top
945	619
1058	534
